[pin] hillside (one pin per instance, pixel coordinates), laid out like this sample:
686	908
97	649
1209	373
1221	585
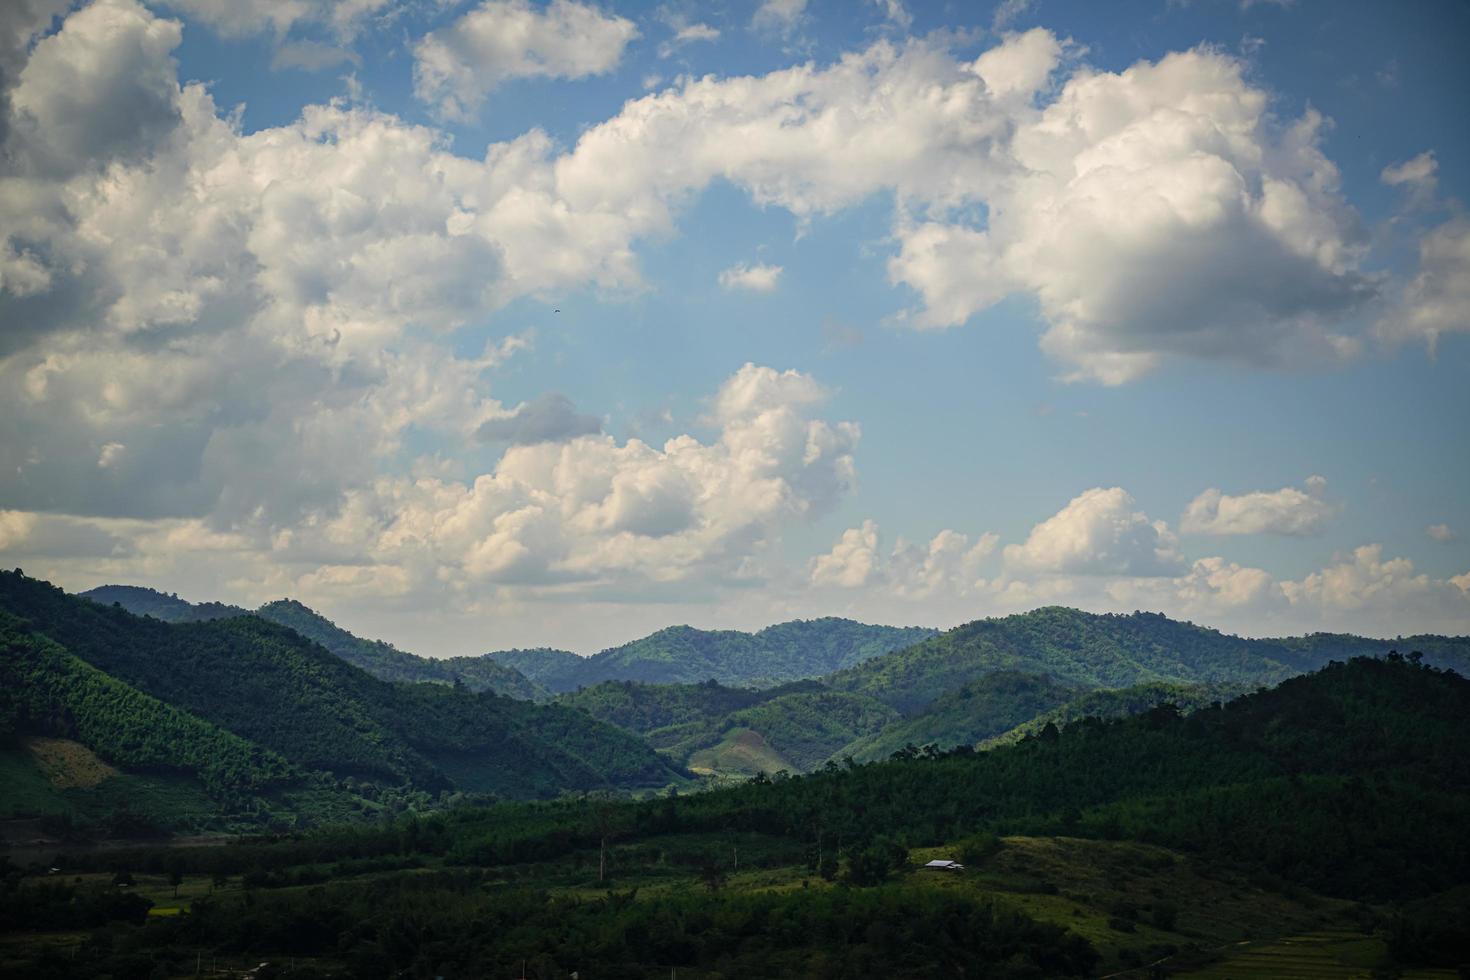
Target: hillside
387	662
45	691
267	684
382	660
1107	651
1121	703
736	731
785	652
977	711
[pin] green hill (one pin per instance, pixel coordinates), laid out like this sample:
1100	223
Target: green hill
266	683
387	662
382	660
1109	651
552	669
46	691
975	712
777	654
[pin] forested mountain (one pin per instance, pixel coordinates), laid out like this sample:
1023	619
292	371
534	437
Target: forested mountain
785	652
971	714
382	660
266	683
46	691
1109	651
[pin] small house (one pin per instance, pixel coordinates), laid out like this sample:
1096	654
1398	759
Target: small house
944	866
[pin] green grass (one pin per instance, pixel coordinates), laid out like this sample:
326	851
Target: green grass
28	793
1323	955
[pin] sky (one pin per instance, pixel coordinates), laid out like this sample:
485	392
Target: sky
507	323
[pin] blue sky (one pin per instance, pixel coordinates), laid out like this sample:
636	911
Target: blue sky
505	323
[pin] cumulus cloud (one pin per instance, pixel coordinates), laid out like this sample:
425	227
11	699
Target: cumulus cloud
1100	532
759	278
550	417
895	12
948	565
1286	511
456	67
1437	300
1442	533
1156	212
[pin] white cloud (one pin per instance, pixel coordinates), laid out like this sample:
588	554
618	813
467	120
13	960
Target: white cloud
1437	300
948	566
1006	13
1285	511
896	12
1417	172
1442	533
683	31
853	560
1367	583
760	278
456	67
1155	212
778	15
241	18
1098	533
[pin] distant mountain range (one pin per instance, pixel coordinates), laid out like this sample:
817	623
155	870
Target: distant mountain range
312	704
797	650
793	651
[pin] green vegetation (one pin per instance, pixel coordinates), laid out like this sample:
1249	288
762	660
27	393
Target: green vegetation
967	716
1122	703
1330	805
726	730
1075	648
683	655
287	695
387	662
383	660
45	690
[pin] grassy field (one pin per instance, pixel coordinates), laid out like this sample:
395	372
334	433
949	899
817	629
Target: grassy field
740	751
67	764
1324	955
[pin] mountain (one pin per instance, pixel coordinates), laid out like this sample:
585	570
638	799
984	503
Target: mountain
382	660
46	692
269	685
971	714
387	662
1086	650
684	655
